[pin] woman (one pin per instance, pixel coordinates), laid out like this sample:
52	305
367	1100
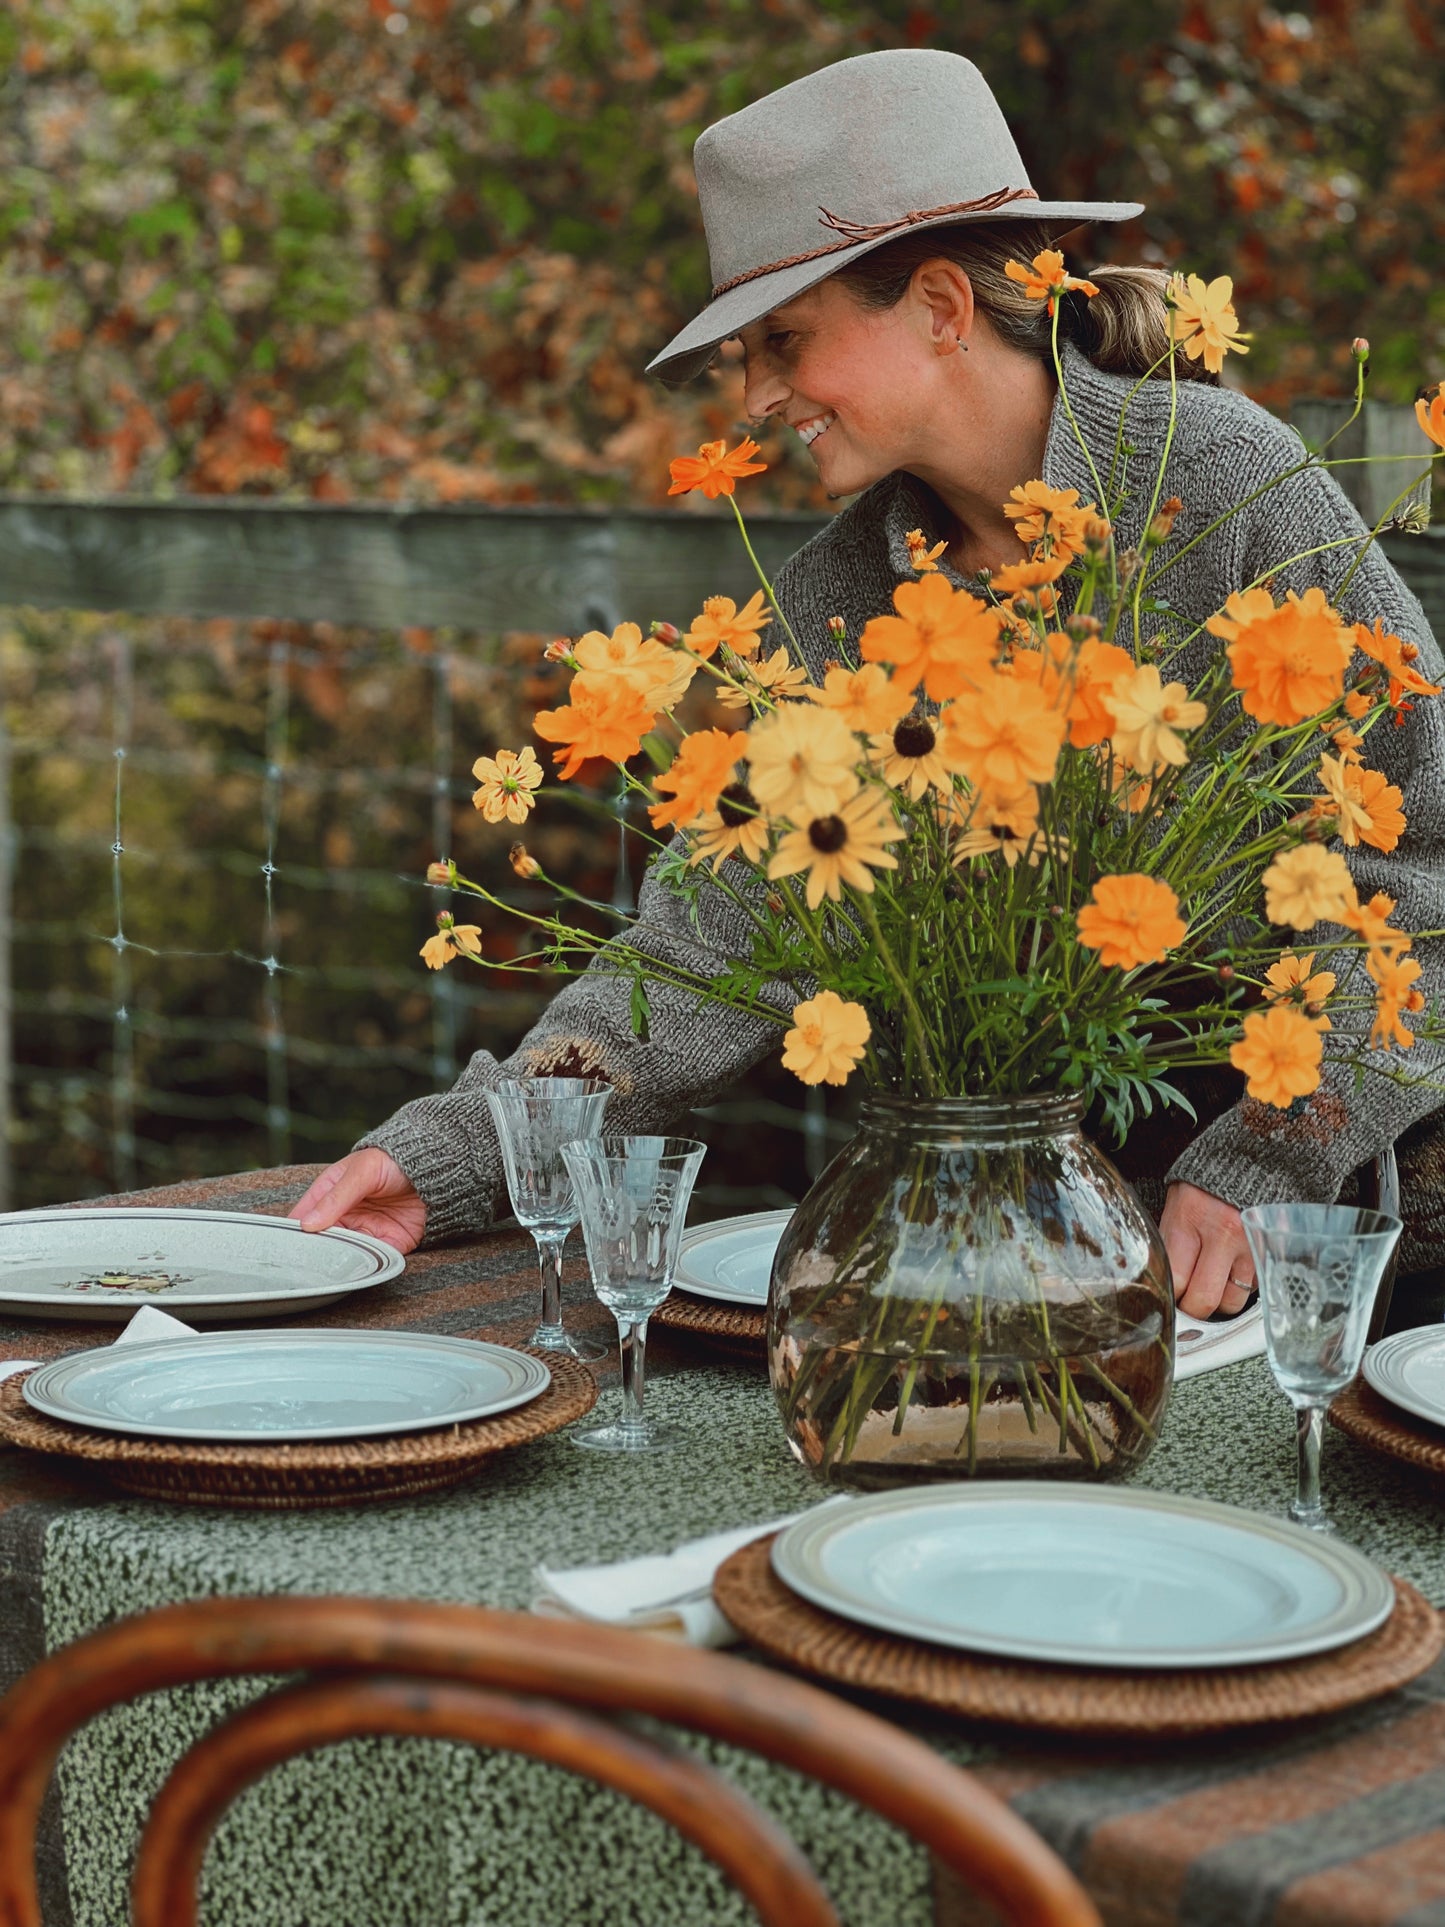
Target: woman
859	222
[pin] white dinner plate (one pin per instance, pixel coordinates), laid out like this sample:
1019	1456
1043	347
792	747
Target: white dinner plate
1408	1369
203	1265
731	1260
249	1387
1083	1576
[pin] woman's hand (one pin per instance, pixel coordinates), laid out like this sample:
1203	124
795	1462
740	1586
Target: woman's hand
366	1191
1208	1252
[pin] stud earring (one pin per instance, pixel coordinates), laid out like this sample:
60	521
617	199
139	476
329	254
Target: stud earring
962	343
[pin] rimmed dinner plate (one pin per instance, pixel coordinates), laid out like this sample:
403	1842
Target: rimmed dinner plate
265	1387
731	1260
1408	1369
207	1265
1083	1577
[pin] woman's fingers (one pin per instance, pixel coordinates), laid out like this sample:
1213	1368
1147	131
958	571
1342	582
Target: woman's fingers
337	1191
1208	1252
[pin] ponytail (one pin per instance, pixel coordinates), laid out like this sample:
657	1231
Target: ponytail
1123	329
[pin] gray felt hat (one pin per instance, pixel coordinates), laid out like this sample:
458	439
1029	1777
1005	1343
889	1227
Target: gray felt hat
811	177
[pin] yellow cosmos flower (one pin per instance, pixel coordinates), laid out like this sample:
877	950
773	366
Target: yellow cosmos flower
1004	734
1148	714
908	756
723	624
803	762
1307	885
868	700
828	1039
451	940
659	675
1205	323
1280	1054
1002	823
843	847
776	676
737	827
507	781
1294	980
1365	807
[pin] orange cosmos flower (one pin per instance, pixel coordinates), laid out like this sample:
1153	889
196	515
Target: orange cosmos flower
1288	661
1280	1054
451	940
1395	658
1045	280
1148	713
942	638
507	781
1430	413
922	559
1205	323
867	699
1006	733
723	624
1396	992
1372	922
1306	885
1366	808
701	770
1051	517
1097	667
605	723
828	1039
714	469
1026	575
659	675
1294	980
1131	920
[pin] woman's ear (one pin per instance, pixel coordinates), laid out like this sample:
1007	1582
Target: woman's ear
943	295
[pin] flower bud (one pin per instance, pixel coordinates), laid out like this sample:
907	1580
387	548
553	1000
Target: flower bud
1410	651
1081	628
443	873
667	632
558	651
1360	348
445	920
837	628
1161	527
1226	973
775	903
526	867
1097	532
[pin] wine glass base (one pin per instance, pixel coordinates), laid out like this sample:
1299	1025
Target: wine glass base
1311	1521
627	1438
553	1338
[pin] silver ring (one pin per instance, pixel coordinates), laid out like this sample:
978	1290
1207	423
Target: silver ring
1242	1284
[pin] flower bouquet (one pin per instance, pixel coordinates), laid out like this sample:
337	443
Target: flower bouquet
1004	858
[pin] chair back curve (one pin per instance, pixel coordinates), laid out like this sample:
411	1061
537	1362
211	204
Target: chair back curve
536	1686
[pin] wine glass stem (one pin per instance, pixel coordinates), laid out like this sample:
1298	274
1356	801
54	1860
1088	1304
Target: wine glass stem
549	1258
632	1337
1311	1422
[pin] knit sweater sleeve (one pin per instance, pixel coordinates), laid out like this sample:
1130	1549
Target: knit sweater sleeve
446	1144
1255	1153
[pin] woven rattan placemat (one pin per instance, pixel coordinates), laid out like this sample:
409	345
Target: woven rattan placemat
1361	1414
1064	1699
735	1323
333	1472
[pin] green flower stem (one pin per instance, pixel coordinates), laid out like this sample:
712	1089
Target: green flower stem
762	577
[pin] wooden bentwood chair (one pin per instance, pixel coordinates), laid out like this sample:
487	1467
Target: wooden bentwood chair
511	1681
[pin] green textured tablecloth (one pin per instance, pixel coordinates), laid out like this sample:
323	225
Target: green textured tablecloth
424	1834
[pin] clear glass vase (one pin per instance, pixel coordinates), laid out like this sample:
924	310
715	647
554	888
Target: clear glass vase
970	1288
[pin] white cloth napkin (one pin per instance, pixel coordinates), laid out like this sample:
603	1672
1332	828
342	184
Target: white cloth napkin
1200	1347
667	1593
148	1325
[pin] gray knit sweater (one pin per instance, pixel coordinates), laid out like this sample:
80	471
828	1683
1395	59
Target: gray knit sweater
1224	448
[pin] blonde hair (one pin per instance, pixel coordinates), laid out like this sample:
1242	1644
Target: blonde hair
1123	329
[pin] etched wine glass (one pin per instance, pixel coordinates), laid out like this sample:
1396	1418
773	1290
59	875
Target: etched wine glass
633	1194
1319	1267
535	1117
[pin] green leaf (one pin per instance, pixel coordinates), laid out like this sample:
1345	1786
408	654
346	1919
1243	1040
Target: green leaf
640	1013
